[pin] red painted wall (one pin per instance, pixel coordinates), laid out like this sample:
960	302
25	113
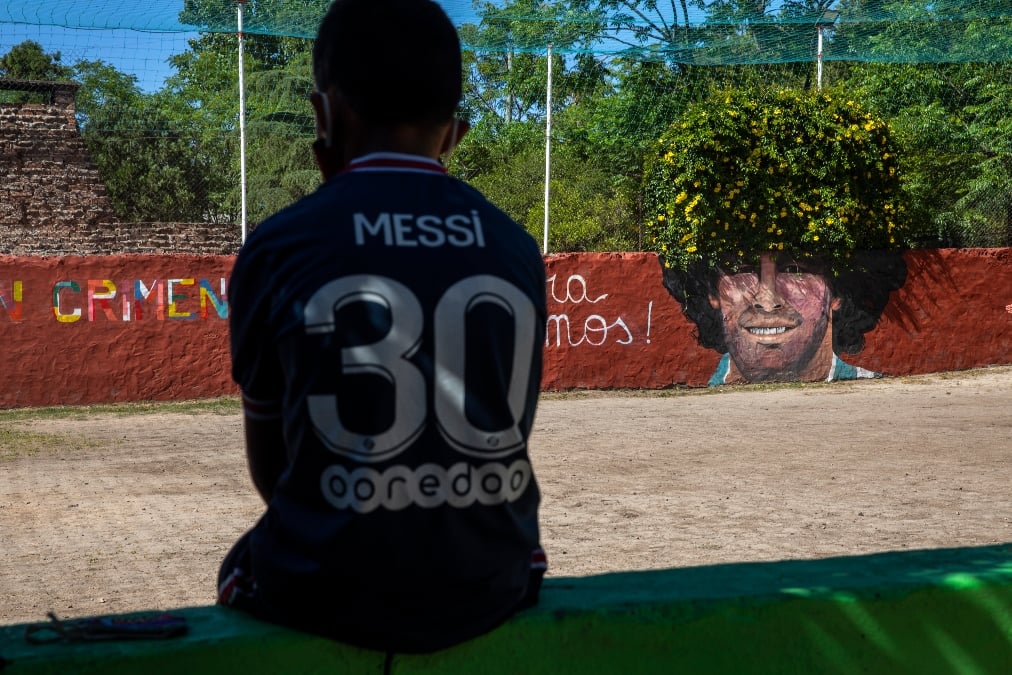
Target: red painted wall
72	330
951	314
79	330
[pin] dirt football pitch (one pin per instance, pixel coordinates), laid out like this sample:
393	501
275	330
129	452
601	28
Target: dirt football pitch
115	509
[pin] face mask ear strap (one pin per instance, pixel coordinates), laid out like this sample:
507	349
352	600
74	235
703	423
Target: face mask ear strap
328	140
328	134
454	133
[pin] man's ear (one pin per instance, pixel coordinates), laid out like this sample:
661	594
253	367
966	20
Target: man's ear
454	135
714	301
835	303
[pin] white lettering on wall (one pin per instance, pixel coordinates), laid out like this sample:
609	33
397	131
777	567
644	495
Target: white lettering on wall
595	330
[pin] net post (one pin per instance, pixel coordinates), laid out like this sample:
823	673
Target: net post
548	146
242	121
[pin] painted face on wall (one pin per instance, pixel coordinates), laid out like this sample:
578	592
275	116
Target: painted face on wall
777	321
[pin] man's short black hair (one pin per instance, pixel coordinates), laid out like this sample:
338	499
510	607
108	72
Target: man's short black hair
862	285
395	61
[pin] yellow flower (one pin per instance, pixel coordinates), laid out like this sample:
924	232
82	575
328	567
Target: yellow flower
682	196
815	238
690	249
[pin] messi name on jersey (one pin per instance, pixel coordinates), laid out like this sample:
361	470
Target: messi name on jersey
410	230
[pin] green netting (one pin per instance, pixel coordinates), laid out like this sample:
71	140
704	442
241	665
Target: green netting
711	32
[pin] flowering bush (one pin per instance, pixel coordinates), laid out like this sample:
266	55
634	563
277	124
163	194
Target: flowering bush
747	172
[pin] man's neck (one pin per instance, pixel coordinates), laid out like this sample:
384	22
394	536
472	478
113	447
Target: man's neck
402	139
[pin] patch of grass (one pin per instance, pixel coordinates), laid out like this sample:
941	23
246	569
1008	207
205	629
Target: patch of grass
16	442
225	405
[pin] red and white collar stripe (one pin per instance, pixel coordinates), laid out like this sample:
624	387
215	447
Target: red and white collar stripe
394	161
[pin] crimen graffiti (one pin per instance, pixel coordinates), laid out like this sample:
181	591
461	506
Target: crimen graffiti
11	297
181	298
92	329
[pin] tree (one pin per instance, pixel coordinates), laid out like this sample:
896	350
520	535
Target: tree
746	172
587	212
147	165
708	33
504	60
280	129
29	61
204	98
949	116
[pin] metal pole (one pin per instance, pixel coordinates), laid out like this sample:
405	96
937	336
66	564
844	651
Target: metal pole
242	124
548	146
818	69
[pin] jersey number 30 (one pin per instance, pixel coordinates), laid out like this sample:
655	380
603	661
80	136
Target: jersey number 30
389	357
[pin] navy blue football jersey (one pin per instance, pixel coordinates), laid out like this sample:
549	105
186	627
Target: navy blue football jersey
394	322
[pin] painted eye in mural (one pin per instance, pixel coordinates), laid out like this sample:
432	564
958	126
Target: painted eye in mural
741	268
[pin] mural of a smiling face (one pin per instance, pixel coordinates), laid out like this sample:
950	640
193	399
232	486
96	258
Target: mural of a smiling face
776	320
788	317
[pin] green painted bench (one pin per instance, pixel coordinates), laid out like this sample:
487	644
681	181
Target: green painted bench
918	612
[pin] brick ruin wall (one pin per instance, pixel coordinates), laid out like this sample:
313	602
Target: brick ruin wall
53	201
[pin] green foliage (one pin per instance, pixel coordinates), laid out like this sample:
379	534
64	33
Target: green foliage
750	171
280	130
956	144
274	18
587	212
204	95
150	170
29	61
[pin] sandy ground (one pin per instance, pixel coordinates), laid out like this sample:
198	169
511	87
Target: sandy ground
113	512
